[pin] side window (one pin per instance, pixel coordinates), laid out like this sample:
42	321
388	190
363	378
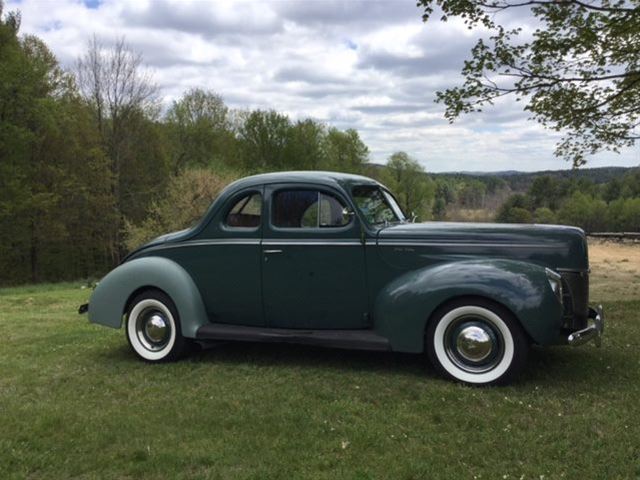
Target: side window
246	212
307	209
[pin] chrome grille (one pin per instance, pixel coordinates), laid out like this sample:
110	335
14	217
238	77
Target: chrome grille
576	298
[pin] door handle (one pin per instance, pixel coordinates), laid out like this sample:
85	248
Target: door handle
272	251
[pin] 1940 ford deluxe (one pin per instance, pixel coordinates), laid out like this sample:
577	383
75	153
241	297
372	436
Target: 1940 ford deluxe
329	259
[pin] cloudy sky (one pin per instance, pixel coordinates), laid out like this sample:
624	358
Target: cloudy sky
369	65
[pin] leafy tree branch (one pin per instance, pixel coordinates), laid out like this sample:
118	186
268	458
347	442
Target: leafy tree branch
577	73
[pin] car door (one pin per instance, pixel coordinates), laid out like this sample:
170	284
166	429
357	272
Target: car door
225	261
313	261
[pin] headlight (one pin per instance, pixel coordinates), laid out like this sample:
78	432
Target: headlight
555	280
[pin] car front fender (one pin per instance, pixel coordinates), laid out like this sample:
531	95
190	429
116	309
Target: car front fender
109	300
403	308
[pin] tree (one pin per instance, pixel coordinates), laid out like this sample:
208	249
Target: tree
445	190
145	167
544	215
579	71
263	138
512	211
52	170
29	185
304	148
472	194
624	215
612	190
439	209
584	211
407	179
75	239
120	92
344	151
516	215
631	184
199	130
114	83
545	192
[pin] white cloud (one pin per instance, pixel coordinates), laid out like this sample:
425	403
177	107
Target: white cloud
372	66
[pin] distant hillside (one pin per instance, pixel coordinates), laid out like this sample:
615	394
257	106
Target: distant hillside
521	181
605	199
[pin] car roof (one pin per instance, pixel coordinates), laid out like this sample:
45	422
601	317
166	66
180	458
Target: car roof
314	177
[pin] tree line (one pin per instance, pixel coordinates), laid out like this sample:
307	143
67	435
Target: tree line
90	162
92	165
611	206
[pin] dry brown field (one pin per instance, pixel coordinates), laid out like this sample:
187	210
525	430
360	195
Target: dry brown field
615	270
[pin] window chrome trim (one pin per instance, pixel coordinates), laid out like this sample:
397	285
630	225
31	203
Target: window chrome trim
248	194
320	190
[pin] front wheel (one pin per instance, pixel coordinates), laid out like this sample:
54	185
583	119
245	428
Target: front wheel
153	328
476	342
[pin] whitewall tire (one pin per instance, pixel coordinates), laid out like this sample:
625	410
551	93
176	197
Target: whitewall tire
476	342
153	327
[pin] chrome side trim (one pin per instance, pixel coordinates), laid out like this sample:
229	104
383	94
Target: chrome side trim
257	241
201	243
391	243
346	243
310	242
574	270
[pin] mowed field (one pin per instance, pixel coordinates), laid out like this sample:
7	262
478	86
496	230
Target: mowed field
75	403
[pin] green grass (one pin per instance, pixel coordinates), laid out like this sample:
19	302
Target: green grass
75	402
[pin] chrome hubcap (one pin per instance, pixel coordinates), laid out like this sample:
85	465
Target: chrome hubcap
156	328
474	344
153	329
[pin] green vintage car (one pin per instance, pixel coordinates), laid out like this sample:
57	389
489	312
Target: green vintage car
330	259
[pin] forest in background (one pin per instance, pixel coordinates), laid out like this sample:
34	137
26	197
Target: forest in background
595	199
92	164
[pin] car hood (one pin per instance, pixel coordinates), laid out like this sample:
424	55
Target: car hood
556	246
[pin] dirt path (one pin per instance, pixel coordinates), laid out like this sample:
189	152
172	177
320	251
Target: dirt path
615	270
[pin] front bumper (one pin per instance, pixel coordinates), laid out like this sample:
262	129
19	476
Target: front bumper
592	332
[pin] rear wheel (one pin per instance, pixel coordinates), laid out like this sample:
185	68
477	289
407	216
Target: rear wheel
153	328
476	342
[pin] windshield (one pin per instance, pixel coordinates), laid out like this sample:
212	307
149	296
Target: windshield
377	205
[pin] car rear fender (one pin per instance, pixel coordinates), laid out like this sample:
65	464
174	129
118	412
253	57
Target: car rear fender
109	300
403	308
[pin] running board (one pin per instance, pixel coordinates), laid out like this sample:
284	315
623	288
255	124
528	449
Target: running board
350	339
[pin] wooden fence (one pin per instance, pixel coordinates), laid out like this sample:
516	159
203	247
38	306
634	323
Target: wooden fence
616	235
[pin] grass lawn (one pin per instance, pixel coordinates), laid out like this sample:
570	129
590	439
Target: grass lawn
75	402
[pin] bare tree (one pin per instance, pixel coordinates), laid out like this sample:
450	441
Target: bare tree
115	84
113	80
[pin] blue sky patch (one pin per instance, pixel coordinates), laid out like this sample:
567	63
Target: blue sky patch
92	4
351	44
